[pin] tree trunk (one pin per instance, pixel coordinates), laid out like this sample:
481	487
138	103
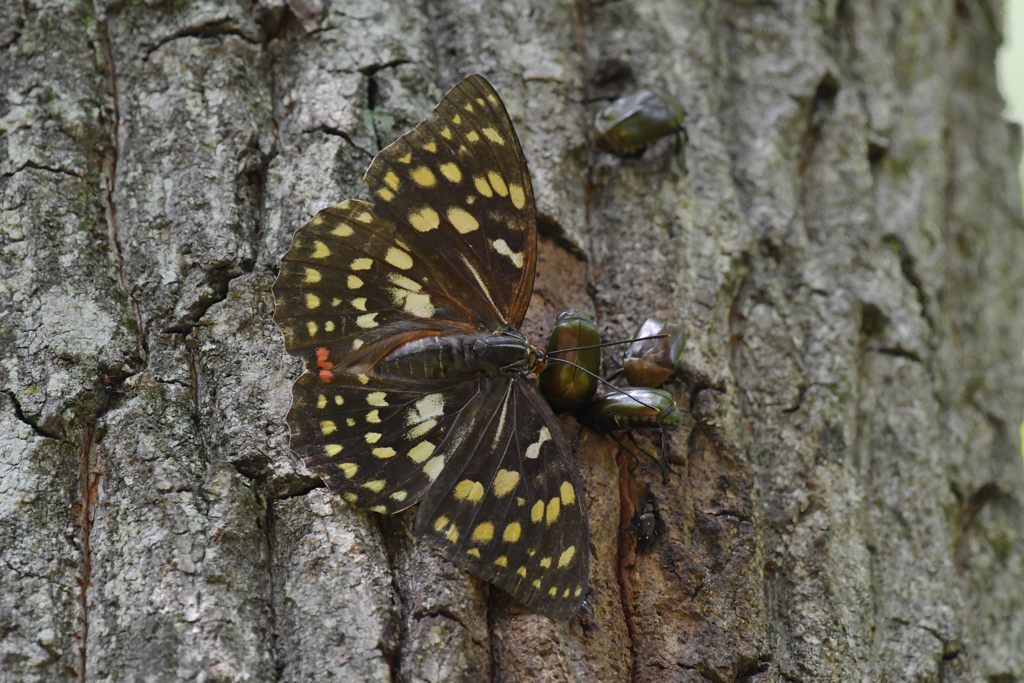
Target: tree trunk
841	236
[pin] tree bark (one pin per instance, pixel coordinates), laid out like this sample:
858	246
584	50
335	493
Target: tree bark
841	236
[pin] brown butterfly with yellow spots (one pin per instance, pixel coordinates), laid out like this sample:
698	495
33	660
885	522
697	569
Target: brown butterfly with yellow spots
417	386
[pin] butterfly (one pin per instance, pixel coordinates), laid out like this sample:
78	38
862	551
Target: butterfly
417	386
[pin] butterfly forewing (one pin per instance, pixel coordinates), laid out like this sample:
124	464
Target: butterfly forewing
353	286
461	180
509	505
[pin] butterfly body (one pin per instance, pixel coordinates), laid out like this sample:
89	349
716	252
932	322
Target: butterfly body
418	385
458	357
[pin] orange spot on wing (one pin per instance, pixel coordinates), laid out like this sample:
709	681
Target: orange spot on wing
321	358
325	365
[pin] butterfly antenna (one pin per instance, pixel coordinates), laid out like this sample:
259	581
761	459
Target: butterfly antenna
600	379
604	344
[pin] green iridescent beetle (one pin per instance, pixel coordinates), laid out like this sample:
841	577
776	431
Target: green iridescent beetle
631	123
572	382
654	358
634	408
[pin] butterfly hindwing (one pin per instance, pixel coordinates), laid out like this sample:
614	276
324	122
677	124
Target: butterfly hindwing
509	506
460	179
379	442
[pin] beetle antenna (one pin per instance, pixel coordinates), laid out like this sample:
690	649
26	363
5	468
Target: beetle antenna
600	379
604	344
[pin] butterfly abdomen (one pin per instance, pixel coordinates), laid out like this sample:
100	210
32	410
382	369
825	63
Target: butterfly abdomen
457	357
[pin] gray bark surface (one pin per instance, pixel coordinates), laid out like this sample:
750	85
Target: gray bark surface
841	236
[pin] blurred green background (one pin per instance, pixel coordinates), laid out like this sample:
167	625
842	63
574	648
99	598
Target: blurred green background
1010	66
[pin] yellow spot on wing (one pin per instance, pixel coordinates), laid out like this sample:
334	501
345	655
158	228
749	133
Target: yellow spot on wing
312	275
462	220
338	400
375	485
364	217
470	490
498	183
501	246
433	467
554	507
493	135
329	326
457	119
361	264
391	180
512	532
312	328
545	562
472	136
384	452
517	196
385	194
568	493
451	172
502	561
320	250
354	282
377	398
399	496
521	571
367	321
482	186
332	449
430	146
420	429
373	417
372	437
440	523
423	176
473	552
349	469
359	303
424	220
536	584
537	511
321	401
505	481
398	258
533	450
421	451
404	282
553	591
343	230
453	534
312	301
483	533
419	304
405	158
446	133
327	427
566	557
